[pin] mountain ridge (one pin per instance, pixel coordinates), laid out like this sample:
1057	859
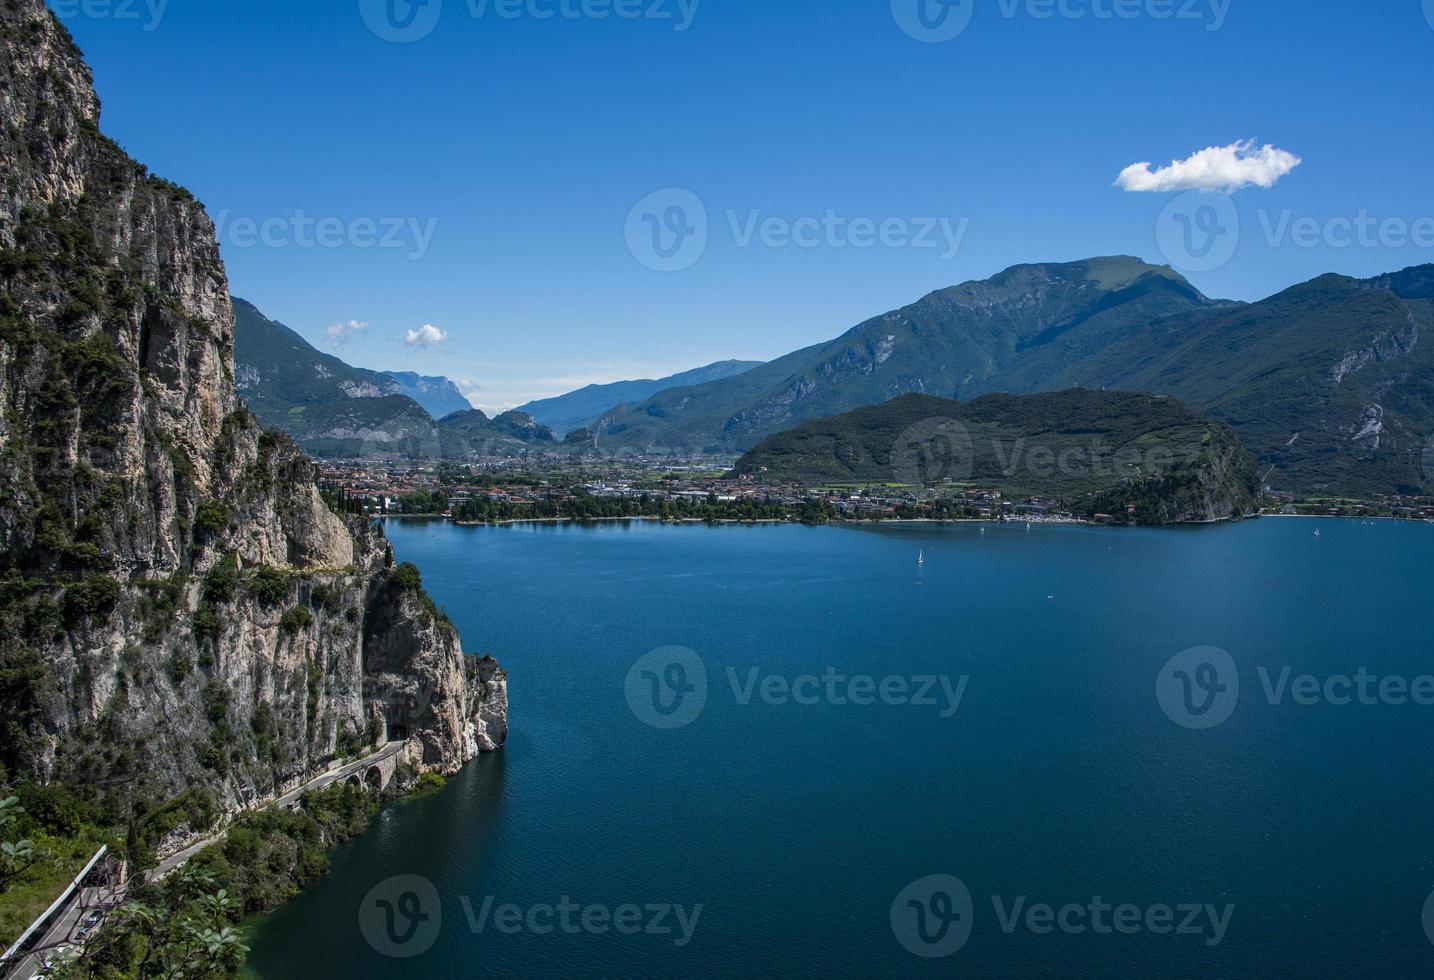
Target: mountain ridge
333	409
581	408
437	395
1326	381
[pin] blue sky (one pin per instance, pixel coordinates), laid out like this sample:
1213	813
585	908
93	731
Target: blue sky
503	152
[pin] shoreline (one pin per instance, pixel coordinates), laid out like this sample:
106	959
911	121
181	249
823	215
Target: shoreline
866	521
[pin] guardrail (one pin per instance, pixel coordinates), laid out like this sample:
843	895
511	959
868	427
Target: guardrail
59	903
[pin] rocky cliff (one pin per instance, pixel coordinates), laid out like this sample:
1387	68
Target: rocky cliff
179	608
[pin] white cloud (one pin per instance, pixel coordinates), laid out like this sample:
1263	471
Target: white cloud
1215	168
493	409
339	334
425	337
470	390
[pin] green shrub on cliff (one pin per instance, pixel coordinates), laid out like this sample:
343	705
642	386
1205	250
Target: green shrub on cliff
270	586
92	597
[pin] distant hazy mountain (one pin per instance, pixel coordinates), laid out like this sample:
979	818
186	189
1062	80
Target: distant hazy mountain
581	408
438	396
1099	451
1327	383
333	409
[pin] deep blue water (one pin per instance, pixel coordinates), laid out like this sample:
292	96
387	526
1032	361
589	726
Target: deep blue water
795	827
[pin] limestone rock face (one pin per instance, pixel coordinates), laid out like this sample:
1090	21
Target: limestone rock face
179	607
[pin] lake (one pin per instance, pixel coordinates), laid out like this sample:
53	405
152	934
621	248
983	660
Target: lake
793	751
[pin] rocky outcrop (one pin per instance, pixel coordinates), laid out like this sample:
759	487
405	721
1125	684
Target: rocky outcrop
180	609
1219	482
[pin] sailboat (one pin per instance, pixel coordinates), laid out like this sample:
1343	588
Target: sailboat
921	557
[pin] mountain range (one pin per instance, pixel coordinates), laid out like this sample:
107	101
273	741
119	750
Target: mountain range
580	409
1327	382
331	408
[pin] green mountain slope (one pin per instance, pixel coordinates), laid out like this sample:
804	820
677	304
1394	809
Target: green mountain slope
1328	383
333	409
473	435
1140	456
955	343
275	369
581	408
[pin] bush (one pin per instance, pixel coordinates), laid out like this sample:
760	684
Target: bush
271	586
221	584
92	596
407	577
205	623
296	619
212	517
327	597
216	701
179	666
